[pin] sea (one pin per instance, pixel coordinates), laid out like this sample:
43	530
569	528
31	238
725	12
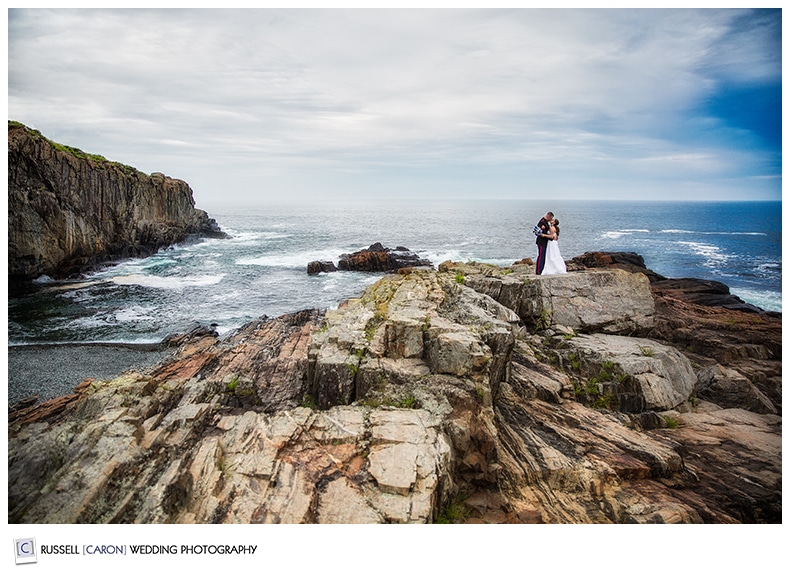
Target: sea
260	270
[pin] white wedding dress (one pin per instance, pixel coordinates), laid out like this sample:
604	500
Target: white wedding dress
554	262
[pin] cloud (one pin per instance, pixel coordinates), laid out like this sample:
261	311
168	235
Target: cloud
298	95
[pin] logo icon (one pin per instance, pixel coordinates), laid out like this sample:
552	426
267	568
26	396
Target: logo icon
25	550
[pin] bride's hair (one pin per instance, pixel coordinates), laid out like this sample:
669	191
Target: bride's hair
557	226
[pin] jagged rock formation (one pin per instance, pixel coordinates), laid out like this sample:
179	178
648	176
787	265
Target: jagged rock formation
423	400
372	259
704	292
68	209
315	267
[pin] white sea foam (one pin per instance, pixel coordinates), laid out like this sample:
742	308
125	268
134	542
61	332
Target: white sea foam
292	260
157	282
714	257
155	261
689	232
131	267
69	286
246	237
622	232
437	257
91	322
133	314
768	300
770	267
43	279
330	283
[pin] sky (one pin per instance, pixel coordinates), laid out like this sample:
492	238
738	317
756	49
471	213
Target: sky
251	106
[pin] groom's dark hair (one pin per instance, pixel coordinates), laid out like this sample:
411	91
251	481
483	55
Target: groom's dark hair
550	214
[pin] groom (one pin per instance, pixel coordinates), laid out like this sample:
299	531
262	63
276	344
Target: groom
541	230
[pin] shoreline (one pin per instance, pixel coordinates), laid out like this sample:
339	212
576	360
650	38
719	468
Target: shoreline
50	370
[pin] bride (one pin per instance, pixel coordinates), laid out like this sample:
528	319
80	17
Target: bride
554	262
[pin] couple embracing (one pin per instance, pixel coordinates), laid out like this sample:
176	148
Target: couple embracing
547	233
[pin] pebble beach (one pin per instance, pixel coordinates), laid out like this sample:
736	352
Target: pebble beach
50	371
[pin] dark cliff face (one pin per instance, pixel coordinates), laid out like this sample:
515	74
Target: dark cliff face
68	210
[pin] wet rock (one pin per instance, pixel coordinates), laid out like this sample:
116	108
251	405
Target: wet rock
197	332
380	258
315	267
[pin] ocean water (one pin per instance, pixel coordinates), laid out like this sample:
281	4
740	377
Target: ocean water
261	269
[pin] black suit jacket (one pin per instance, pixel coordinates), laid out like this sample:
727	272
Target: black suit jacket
544	225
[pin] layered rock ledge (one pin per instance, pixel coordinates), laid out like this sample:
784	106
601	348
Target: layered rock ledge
469	394
69	209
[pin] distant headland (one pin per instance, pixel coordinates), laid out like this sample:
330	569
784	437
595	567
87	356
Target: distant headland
68	210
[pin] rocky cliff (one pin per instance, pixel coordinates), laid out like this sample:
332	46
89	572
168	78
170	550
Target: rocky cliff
68	209
470	393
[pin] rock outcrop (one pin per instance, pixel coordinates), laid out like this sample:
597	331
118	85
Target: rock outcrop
69	210
423	400
315	267
375	258
612	301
